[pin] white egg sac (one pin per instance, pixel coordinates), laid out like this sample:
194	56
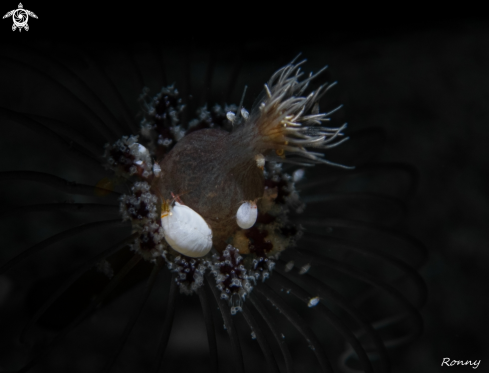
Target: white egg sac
186	231
247	214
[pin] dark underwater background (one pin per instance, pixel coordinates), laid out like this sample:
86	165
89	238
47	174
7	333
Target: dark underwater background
426	83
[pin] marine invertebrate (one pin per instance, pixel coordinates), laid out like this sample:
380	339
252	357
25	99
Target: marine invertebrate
177	175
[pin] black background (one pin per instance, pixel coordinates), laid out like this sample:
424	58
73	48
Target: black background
425	81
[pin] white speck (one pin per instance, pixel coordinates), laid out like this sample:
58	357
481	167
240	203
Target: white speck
260	160
106	268
156	169
313	302
253	335
139	150
298	175
289	266
305	268
164	142
231	116
245	113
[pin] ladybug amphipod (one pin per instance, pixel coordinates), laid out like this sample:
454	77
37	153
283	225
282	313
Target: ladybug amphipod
247	214
185	230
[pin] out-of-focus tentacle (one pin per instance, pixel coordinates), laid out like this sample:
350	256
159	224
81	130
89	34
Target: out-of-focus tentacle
413	243
96	123
129	118
44	350
59	237
275	331
72	136
58	183
334	320
208	78
52	136
298	323
167	326
95	208
134	316
409	311
260	337
230	327
342	244
75	276
209	325
328	293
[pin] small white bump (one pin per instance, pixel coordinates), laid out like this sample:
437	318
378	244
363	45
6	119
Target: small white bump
231	116
156	169
305	268
298	175
247	214
313	302
245	113
289	266
260	161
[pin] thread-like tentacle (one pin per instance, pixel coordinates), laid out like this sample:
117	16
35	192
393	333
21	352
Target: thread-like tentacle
230	327
208	78
107	290
167	326
45	349
90	95
235	73
367	207
298	323
59	237
275	331
94	208
209	324
53	137
409	309
336	176
187	87
115	91
328	293
97	123
334	320
260	337
157	53
69	134
134	316
138	76
58	183
75	276
413	243
334	243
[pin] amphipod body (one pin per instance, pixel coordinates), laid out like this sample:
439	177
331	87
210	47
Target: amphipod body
186	231
247	214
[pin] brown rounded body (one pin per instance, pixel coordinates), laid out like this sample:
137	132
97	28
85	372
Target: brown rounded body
213	172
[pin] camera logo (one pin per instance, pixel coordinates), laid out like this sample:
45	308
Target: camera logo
20	17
